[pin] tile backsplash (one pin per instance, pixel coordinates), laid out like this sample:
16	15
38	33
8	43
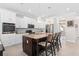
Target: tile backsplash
23	30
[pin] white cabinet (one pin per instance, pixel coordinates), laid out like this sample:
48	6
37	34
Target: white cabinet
39	25
36	25
18	38
23	22
7	16
8	39
11	39
18	22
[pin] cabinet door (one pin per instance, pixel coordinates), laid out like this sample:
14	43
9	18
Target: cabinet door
21	22
8	16
8	39
27	45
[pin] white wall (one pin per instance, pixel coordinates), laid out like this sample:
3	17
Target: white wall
71	33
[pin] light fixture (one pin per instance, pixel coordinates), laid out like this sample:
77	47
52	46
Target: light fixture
29	10
68	9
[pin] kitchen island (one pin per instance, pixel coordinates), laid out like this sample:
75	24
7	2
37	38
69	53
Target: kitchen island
30	43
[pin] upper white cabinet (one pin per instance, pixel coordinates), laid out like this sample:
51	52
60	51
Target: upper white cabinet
23	22
7	16
19	22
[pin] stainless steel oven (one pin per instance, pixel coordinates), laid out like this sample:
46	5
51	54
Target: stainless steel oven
8	28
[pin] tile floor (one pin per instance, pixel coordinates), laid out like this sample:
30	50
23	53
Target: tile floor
15	50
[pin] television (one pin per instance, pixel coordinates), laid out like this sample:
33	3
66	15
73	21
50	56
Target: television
30	26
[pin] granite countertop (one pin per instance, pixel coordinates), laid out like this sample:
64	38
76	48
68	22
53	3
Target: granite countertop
37	35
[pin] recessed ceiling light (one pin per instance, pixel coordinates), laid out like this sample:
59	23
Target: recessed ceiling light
68	9
29	10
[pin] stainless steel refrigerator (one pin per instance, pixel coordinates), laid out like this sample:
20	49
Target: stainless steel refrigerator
50	28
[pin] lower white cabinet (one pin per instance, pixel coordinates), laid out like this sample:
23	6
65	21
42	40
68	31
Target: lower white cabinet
11	39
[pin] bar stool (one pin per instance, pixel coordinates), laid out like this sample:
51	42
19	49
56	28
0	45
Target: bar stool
47	45
57	41
54	43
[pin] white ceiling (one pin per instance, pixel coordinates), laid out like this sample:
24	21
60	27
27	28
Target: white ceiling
42	9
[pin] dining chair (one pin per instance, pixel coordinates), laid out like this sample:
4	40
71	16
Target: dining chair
54	37
57	41
47	45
